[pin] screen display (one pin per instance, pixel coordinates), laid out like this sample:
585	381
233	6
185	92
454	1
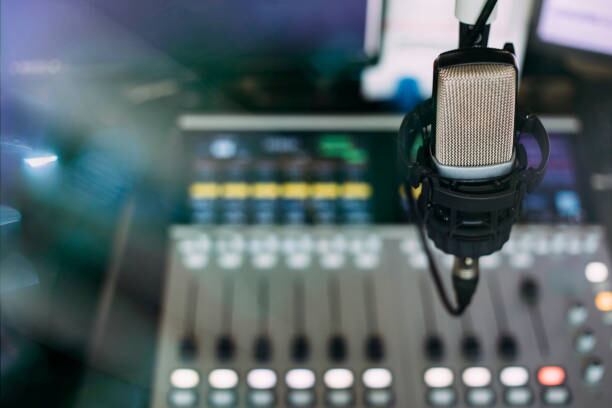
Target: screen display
292	177
584	25
190	33
557	198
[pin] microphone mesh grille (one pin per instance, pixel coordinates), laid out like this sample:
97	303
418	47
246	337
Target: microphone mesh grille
475	114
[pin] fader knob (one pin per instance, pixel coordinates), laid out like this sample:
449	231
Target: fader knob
434	347
529	290
262	349
300	348
507	347
470	347
375	348
337	348
225	348
188	348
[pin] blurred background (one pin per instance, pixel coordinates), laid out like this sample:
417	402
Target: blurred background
95	95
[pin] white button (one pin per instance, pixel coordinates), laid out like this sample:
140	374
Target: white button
301	398
377	378
223	379
195	260
439	377
514	376
373	243
410	246
332	260
338	378
335	244
300	379
521	260
356	245
261	398
379	398
480	397
556	396
298	260
194	245
297	244
261	379
264	260
594	372
442	397
518	396
591	243
541	246
230	260
232	243
183	398
557	244
596	272
366	260
490	261
476	377
585	341
418	260
338	243
264	244
577	314
339	398
184	378
574	246
222	398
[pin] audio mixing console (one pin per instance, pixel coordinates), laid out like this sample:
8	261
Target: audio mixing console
323	316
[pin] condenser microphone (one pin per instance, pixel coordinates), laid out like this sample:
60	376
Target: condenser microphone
475	101
467	176
472	152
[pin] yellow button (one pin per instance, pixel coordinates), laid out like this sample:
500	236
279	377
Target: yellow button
355	190
325	191
296	191
236	190
204	190
603	301
266	190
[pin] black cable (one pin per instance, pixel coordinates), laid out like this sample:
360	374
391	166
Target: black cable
463	290
479	26
414	123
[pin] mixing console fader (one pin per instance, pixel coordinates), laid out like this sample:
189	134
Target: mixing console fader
348	317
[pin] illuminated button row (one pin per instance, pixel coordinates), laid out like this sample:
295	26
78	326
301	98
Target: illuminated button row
515	380
289	191
476	377
272	243
300	382
557	243
295	261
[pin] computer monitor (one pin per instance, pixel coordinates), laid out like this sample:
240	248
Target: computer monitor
570	25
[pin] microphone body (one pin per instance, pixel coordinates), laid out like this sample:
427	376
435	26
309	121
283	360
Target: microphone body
473	196
470	174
